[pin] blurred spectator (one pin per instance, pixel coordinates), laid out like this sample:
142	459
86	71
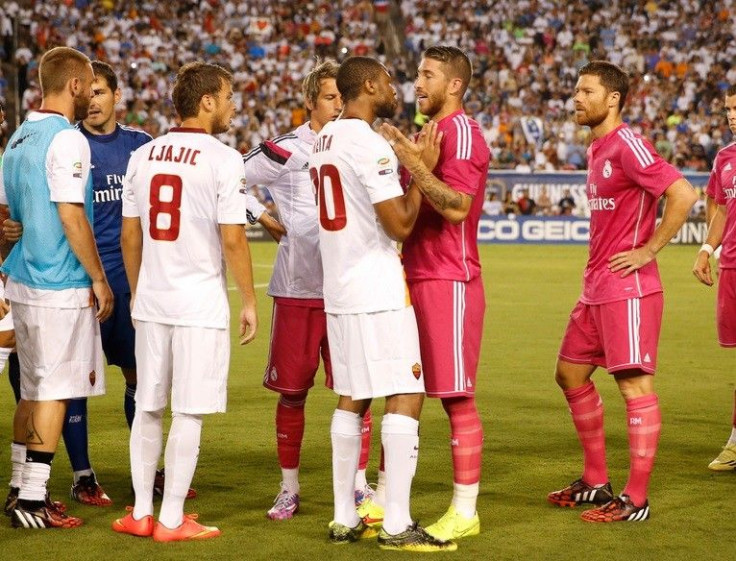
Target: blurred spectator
567	203
492	206
544	203
526	204
509	205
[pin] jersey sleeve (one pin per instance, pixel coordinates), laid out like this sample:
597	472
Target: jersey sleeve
254	207
68	166
463	164
265	163
377	168
713	189
130	207
642	165
231	190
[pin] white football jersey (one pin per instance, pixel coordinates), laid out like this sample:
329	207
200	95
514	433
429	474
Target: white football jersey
356	168
182	186
280	165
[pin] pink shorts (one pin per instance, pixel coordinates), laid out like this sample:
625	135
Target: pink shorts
726	308
450	321
298	338
616	336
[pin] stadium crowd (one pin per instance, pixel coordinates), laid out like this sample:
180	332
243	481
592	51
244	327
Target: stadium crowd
526	55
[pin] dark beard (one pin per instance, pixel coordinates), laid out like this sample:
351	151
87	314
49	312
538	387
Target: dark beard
386	109
81	109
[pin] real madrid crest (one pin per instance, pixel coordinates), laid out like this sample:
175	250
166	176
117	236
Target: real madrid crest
607	169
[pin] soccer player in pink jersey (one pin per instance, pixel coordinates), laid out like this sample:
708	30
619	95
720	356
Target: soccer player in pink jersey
722	231
616	322
299	321
443	268
184	211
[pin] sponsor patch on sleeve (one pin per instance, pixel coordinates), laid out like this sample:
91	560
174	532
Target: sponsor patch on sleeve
77	166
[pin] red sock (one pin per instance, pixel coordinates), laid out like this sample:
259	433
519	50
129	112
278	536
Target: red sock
467	439
290	429
365	440
645	423
586	408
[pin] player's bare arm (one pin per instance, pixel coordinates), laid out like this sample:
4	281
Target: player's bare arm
81	239
272	226
237	256
131	244
451	204
398	215
680	197
702	269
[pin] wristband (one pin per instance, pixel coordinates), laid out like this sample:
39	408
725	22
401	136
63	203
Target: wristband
707	248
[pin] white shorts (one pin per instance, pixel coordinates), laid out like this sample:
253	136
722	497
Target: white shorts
7	333
60	352
189	362
375	355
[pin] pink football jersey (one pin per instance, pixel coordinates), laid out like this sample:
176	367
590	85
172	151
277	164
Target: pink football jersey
626	177
437	249
722	187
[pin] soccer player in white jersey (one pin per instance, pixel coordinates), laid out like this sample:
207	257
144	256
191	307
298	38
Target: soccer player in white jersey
183	218
722	234
370	321
616	322
299	320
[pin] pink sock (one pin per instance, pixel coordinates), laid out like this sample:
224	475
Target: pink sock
290	430
586	408
365	440
645	423
467	439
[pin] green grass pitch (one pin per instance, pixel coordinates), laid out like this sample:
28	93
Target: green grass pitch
530	445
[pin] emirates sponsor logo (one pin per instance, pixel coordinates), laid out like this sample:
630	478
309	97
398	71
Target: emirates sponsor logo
601	203
730	193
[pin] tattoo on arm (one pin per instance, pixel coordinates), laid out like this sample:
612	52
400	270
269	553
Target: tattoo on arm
439	194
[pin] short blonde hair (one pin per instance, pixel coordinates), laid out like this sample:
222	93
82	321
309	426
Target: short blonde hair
313	81
58	66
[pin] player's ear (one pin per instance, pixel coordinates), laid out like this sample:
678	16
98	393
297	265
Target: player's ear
207	103
117	95
613	99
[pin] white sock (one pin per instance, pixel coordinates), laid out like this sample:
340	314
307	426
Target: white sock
290	480
400	439
464	498
180	461
732	438
146	441
345	433
82	473
35	477
18	460
360	481
380	497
